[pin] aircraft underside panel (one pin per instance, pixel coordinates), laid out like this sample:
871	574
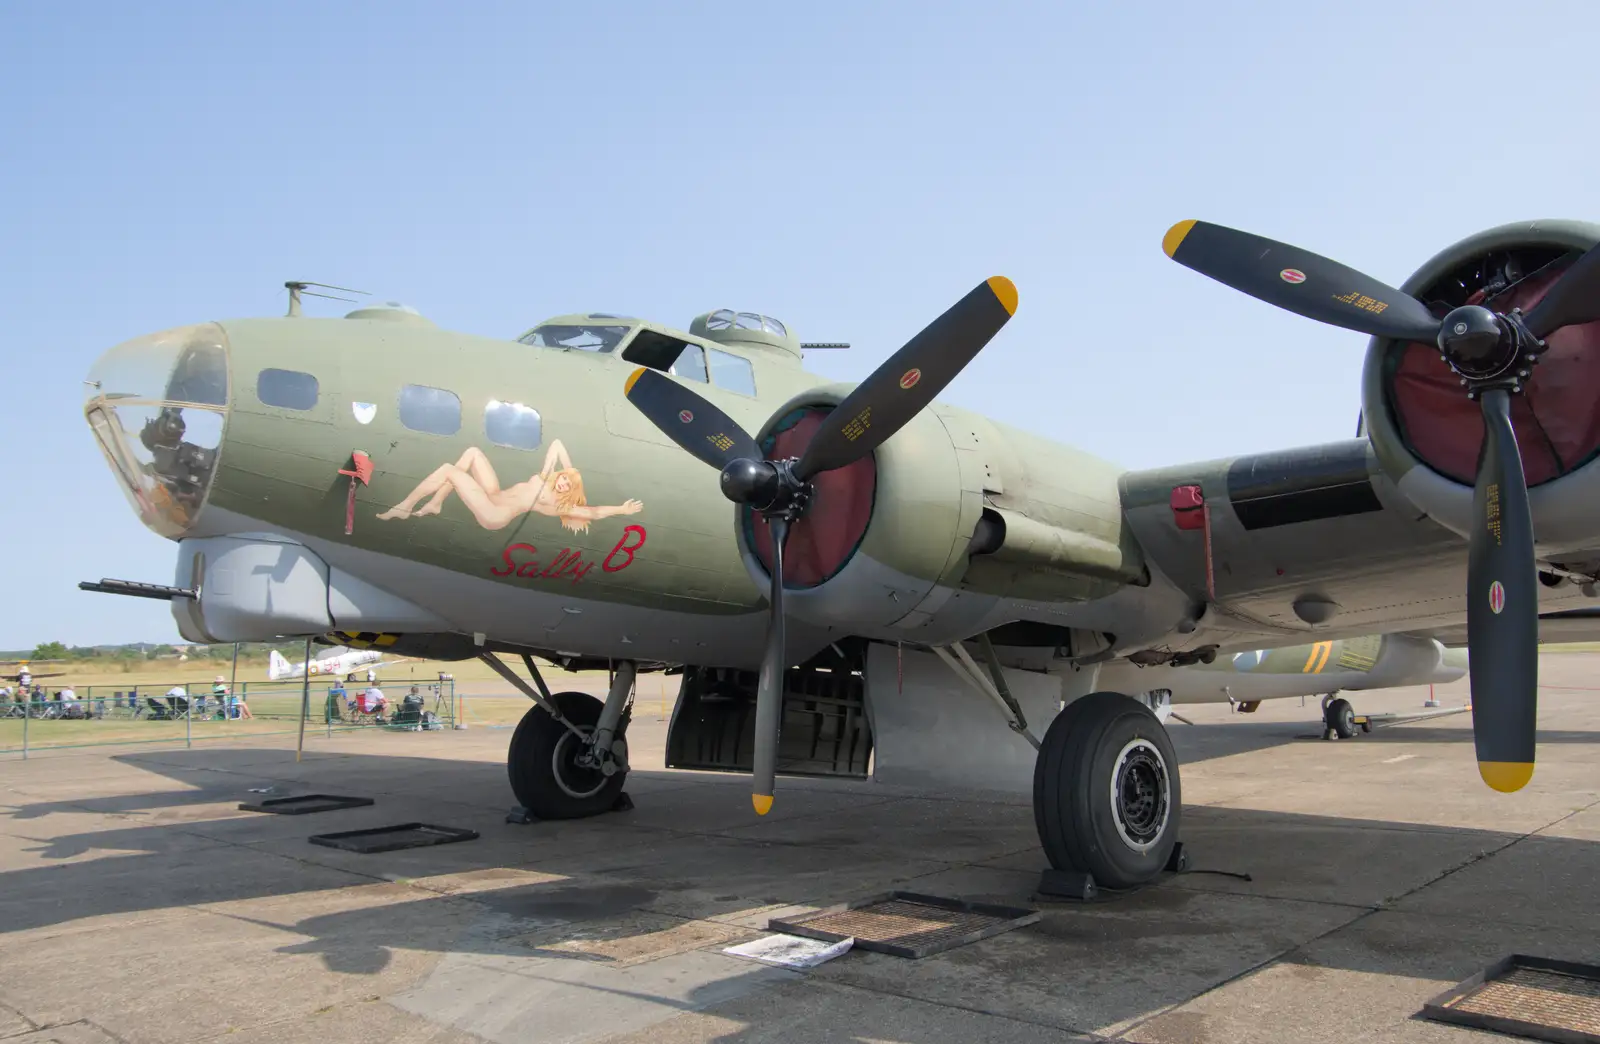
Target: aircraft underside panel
260	587
932	730
826	730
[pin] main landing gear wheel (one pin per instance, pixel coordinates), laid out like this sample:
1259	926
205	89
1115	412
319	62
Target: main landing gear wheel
553	773
1106	794
1341	718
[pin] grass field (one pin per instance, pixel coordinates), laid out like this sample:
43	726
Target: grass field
482	700
194	672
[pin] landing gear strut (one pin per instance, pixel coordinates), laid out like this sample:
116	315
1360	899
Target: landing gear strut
1106	794
568	758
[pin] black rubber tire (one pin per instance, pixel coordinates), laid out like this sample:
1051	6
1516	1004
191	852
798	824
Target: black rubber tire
1072	791
1341	718
531	762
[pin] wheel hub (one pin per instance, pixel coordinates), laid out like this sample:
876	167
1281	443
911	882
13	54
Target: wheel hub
1140	795
574	766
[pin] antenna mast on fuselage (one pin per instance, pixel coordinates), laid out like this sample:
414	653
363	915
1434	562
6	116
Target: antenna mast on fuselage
296	287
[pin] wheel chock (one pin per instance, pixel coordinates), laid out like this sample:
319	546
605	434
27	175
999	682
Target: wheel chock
1079	886
522	817
1068	884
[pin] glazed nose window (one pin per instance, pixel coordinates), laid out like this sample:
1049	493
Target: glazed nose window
157	406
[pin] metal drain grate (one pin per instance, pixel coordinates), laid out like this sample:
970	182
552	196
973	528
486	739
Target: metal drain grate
303	804
393	838
1527	996
906	924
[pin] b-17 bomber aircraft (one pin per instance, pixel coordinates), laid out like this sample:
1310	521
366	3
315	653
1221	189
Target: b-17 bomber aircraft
840	573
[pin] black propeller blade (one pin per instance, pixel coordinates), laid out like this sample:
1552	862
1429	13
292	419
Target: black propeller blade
880	406
1299	281
769	685
1494	355
1574	299
909	379
689	420
1502	606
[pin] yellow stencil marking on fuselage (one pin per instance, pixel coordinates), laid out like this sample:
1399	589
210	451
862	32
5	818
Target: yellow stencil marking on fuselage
1318	658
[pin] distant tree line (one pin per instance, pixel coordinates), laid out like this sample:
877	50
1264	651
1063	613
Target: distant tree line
134	652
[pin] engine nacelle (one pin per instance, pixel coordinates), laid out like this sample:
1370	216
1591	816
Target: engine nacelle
953	515
879	534
1426	433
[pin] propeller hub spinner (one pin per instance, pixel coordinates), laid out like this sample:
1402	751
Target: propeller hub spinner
768	486
1477	343
752	482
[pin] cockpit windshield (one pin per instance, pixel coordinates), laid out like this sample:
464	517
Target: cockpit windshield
582	338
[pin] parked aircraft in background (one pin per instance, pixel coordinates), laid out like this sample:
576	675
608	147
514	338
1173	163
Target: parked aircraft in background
1322	669
338	662
22	673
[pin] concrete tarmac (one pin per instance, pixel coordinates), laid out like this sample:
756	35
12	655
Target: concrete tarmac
138	904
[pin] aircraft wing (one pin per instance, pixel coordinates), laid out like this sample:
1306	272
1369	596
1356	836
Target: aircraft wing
1277	542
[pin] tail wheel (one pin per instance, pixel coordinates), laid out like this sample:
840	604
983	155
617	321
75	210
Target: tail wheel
1106	794
552	773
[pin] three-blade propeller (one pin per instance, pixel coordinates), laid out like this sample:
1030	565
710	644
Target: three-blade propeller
1494	354
781	489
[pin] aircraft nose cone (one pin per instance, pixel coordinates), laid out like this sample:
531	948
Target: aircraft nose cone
157	406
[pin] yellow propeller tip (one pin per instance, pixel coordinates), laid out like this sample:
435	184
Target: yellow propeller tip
1506	776
1174	237
762	802
1006	292
632	378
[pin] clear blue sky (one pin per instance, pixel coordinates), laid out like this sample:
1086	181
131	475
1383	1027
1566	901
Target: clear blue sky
851	168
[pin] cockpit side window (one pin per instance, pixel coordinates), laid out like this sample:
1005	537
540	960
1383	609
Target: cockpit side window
691	364
732	372
581	337
660	352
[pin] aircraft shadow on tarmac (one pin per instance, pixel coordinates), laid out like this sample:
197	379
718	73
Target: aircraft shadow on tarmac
1363	895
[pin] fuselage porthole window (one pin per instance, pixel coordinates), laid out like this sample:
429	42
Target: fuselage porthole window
512	424
732	372
286	389
431	410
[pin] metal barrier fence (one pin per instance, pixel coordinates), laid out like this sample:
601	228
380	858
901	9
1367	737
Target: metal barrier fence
142	714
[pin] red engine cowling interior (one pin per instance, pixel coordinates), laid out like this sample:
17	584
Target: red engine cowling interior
828	534
1557	419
